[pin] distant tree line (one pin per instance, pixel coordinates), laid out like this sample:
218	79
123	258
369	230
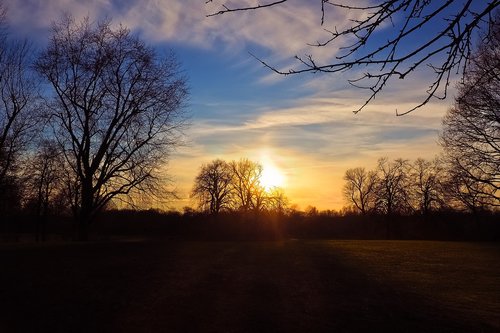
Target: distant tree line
90	120
235	186
403	187
292	223
467	174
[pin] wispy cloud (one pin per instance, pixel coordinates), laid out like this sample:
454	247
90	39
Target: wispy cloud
315	139
309	132
284	31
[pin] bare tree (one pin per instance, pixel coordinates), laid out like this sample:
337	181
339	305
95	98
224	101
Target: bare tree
404	47
471	129
426	187
359	188
260	197
44	183
392	190
17	102
276	200
236	186
213	187
466	193
248	191
116	112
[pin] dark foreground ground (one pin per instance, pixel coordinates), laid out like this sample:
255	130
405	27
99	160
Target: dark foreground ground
291	286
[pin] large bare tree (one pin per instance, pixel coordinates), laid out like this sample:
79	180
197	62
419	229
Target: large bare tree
359	188
116	111
248	191
466	193
17	116
392	188
471	128
426	185
17	101
213	187
388	39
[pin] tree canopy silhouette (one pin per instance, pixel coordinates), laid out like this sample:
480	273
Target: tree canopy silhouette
18	94
471	128
359	188
116	111
388	39
235	186
213	186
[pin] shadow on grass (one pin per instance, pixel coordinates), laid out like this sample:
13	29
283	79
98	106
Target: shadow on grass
291	286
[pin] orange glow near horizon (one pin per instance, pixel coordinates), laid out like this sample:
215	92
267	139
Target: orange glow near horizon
307	179
272	176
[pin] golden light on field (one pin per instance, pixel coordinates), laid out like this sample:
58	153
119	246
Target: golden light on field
271	176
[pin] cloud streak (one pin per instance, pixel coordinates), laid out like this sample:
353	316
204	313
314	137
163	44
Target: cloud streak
316	139
284	31
308	130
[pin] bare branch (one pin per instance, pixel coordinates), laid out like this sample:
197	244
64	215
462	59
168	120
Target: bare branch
239	9
117	113
471	137
445	51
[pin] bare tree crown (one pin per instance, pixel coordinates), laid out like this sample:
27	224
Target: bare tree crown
471	128
117	109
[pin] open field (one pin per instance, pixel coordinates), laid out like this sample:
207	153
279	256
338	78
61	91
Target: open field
290	286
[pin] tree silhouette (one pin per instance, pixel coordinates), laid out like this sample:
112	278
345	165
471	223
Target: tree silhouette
276	200
392	187
426	185
236	186
401	187
359	188
471	128
213	187
116	112
465	192
385	39
248	192
44	185
17	103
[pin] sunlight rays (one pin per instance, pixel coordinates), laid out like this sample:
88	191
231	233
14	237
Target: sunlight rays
272	176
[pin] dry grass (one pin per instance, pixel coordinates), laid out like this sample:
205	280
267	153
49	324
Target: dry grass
292	286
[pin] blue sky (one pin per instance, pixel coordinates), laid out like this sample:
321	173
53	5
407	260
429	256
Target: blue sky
302	125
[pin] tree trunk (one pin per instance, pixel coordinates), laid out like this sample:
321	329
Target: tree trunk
86	209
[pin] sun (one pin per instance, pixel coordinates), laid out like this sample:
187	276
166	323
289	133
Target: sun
271	177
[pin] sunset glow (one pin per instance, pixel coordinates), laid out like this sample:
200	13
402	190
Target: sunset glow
250	165
272	177
301	129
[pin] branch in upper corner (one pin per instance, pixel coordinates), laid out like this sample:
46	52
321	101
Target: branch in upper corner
404	48
239	9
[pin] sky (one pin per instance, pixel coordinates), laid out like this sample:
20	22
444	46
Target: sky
303	125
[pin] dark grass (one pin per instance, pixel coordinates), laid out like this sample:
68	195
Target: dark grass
289	286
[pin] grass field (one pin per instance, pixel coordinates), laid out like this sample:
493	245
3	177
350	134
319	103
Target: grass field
291	286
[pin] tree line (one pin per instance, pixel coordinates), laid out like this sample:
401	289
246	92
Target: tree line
90	120
467	174
235	186
403	187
